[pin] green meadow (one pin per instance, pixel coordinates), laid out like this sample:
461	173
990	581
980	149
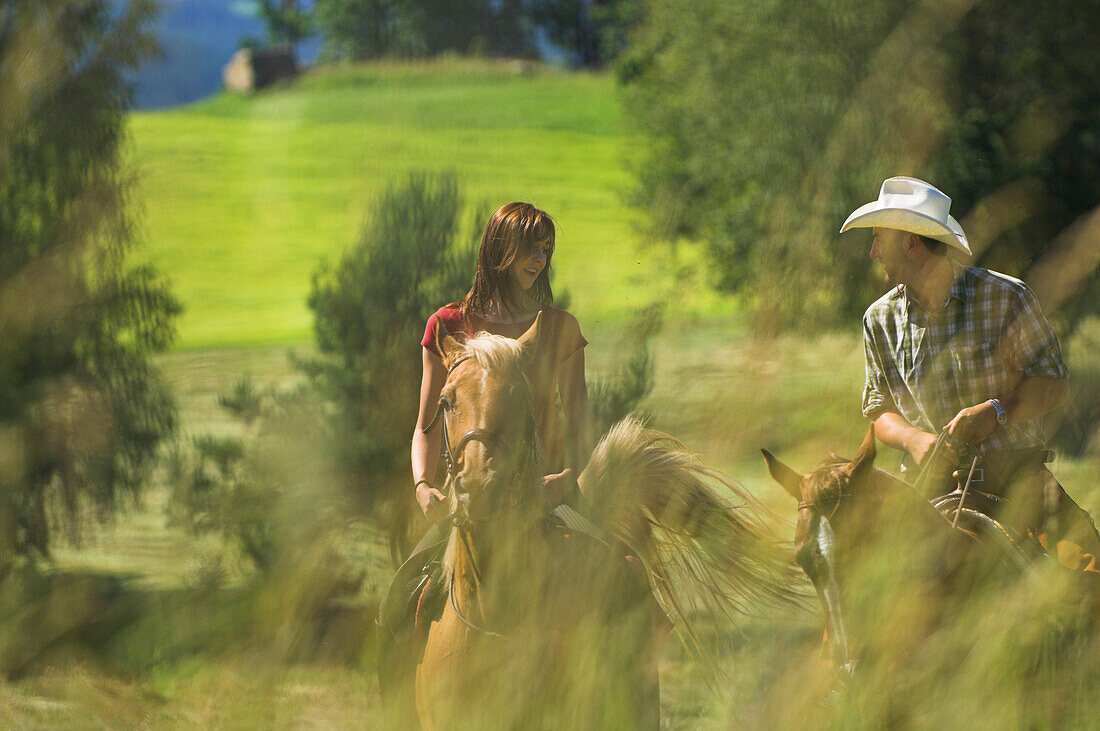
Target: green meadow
244	196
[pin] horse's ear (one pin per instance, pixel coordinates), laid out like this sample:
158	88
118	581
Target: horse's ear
530	339
447	346
865	457
784	475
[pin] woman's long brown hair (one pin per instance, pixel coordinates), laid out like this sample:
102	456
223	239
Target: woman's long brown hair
512	232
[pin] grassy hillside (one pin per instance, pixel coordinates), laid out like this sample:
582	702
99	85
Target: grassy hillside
244	195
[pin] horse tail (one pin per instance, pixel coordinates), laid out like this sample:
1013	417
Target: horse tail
701	536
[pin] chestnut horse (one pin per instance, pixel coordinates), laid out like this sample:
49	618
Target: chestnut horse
881	557
546	626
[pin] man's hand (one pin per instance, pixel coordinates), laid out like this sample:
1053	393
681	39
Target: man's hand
557	486
973	424
431	501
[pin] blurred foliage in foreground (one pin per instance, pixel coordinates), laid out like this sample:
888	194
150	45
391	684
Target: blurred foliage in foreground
83	411
268	652
769	122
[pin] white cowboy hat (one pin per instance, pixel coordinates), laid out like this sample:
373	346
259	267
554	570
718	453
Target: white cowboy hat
911	205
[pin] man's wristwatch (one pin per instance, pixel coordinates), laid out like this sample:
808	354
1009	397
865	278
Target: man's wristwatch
1002	415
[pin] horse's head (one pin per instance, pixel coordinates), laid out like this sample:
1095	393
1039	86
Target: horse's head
832	494
489	436
830	499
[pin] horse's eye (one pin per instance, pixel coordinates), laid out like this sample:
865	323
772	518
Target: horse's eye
447	401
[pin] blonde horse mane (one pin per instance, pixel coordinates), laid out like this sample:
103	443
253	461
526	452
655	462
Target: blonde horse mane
494	352
699	534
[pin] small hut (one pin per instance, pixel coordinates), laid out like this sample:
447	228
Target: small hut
251	69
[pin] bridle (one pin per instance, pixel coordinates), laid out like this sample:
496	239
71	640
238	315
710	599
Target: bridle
450	454
840	495
460	512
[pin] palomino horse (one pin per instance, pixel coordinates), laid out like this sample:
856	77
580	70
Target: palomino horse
883	559
551	627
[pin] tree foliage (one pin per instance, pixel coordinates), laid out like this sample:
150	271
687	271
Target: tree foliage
268	492
286	22
619	394
768	122
367	29
82	408
592	31
369	314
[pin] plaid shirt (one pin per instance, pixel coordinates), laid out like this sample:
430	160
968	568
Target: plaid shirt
927	366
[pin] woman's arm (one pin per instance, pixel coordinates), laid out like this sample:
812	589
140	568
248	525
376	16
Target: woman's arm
425	447
573	392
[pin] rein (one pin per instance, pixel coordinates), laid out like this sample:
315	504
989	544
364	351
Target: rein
449	453
923	477
466	621
960	449
451	594
925	474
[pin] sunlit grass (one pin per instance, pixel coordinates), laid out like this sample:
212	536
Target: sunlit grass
243	196
240	693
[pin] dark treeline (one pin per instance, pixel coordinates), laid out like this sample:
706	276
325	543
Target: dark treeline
589	31
768	122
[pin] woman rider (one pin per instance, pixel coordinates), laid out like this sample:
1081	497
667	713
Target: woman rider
511	286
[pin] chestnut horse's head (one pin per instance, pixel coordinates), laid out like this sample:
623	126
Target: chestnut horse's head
830	501
489	439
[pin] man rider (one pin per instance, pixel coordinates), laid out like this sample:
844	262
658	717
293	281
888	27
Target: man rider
966	351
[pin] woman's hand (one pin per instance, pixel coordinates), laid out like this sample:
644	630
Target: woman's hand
556	486
431	501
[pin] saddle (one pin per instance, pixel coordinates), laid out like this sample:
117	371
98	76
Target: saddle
983	502
416	588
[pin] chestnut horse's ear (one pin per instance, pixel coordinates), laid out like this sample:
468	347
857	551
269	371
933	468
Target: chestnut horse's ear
865	457
530	339
447	346
784	475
